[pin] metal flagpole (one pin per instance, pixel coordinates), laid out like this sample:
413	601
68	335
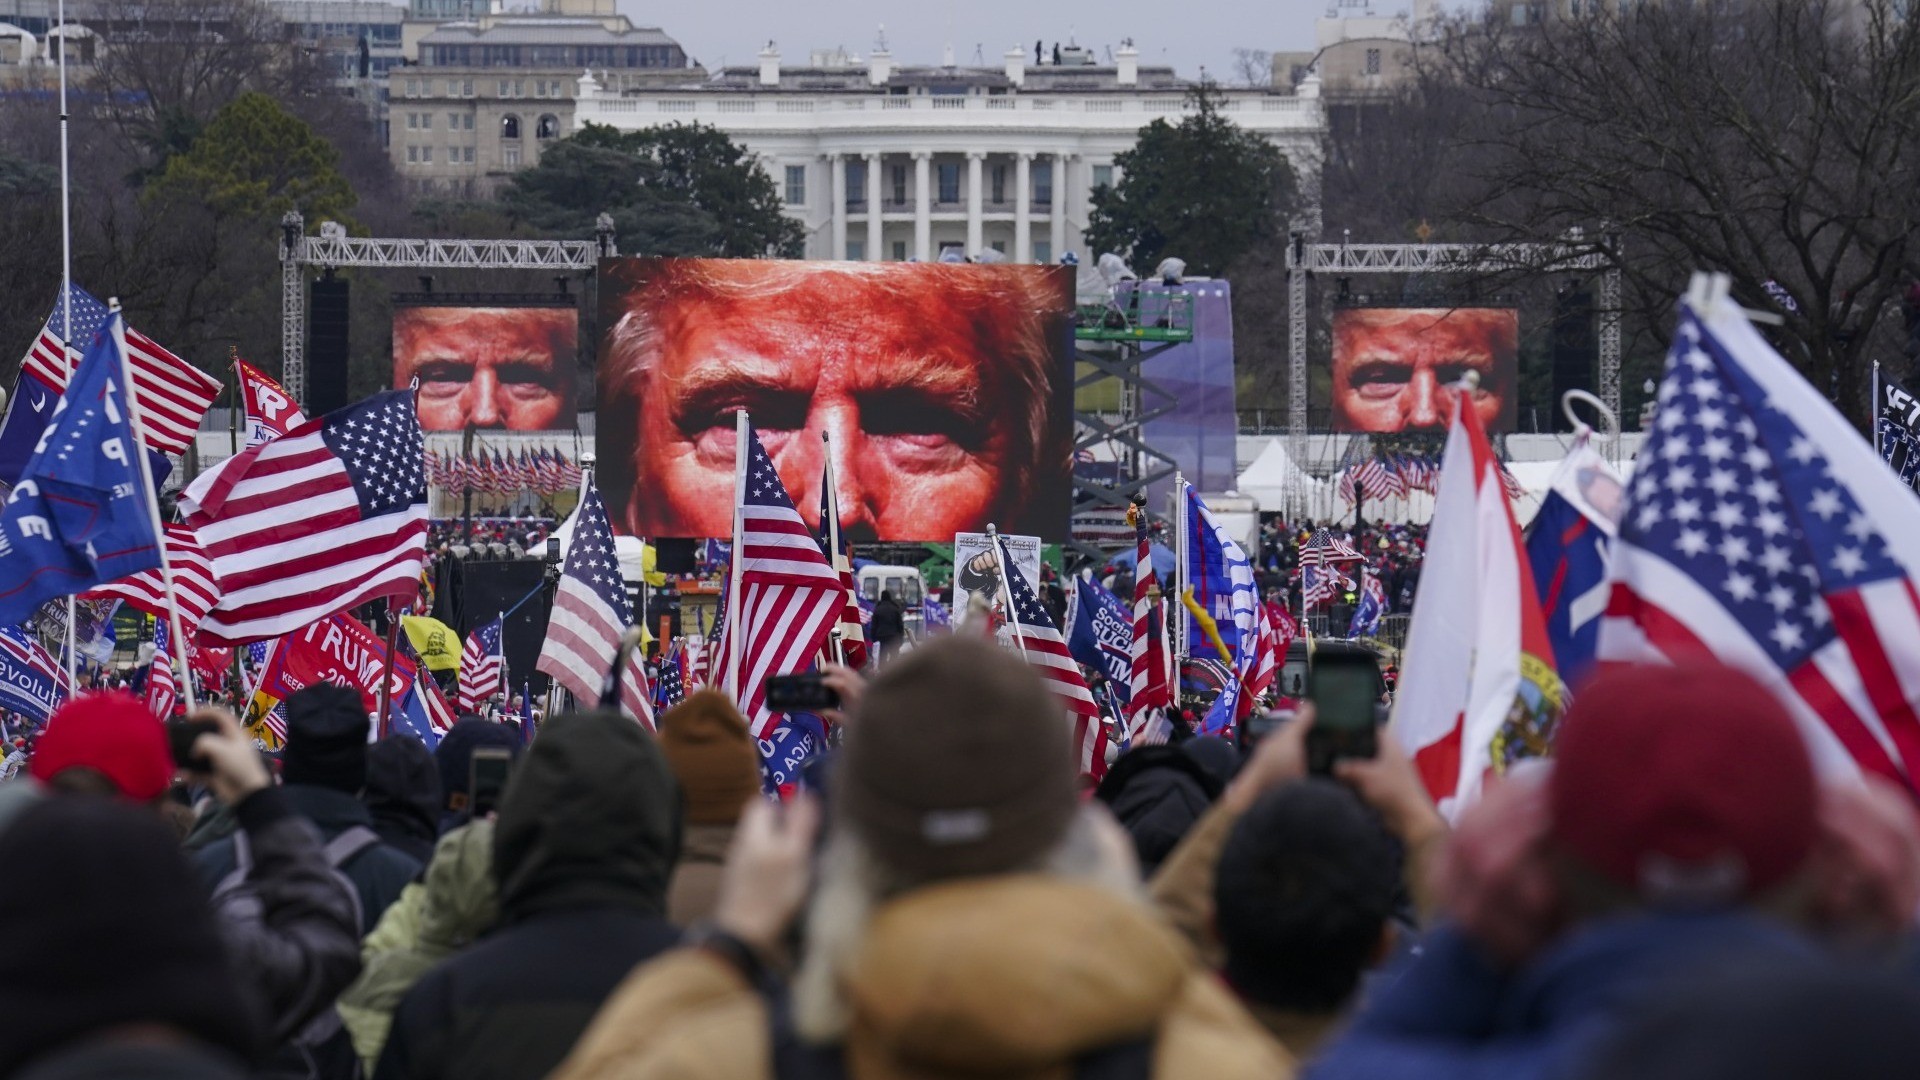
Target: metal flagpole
831	500
118	327
742	427
1006	586
1873	414
66	314
1175	610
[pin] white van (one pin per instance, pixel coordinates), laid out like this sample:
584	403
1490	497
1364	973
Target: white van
907	587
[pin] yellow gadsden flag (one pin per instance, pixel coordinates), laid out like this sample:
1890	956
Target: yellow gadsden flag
433	641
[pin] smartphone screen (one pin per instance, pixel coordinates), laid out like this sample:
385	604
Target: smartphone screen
1343	694
490	768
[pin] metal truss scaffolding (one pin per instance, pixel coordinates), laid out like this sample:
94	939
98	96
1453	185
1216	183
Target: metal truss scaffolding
1346	259
334	248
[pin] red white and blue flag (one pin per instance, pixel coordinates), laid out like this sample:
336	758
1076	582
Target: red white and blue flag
31	682
1761	529
482	669
271	411
163	690
1041	642
591	612
1149	694
194	588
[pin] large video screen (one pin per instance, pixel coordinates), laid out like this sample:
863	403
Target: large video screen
946	390
493	367
1393	368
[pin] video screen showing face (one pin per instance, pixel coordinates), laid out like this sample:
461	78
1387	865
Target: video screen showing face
490	367
1393	368
946	391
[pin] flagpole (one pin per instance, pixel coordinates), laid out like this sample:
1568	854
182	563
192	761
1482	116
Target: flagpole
831	500
742	431
66	308
1006	587
1179	625
1873	414
152	498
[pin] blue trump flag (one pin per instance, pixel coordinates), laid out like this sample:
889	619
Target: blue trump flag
1102	636
797	737
1222	582
81	513
1567	547
30	682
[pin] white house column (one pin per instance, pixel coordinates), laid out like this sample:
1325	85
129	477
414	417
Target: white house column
976	239
838	165
1059	220
1023	207
874	234
923	205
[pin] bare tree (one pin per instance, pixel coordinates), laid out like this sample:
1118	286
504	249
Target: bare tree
1252	67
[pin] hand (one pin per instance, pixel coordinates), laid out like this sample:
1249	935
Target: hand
1280	759
1494	877
1866	860
1388	783
235	770
768	869
846	682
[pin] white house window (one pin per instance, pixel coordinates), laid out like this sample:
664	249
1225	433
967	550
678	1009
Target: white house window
796	185
548	127
510	126
1102	176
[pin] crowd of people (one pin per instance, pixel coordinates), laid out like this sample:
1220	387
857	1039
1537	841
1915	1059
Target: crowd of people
1677	893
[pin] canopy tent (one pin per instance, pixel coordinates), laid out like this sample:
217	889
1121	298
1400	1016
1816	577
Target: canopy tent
1272	474
636	557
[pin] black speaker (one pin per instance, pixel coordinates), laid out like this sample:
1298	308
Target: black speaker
1575	349
327	345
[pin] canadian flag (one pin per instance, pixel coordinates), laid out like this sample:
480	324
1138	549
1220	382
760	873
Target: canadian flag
1478	686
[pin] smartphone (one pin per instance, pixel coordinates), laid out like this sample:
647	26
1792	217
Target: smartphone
487	779
181	735
1344	683
800	693
1258	725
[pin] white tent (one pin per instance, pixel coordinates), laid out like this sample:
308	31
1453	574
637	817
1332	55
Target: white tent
1272	474
630	550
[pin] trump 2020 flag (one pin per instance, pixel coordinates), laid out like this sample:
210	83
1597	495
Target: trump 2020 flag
1478	687
1102	635
1222	580
1762	530
31	683
1567	547
81	513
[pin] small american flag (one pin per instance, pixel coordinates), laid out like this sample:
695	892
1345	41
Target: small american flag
591	612
671	690
1042	644
193	583
482	674
163	690
1147	677
1325	547
326	517
853	636
173	395
1761	530
790	596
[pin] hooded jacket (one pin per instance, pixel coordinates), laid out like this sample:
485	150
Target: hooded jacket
586	838
1158	793
1019	977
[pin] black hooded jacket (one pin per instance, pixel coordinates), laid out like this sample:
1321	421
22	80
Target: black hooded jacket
1158	793
587	837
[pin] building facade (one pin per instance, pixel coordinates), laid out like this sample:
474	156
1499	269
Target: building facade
487	96
879	162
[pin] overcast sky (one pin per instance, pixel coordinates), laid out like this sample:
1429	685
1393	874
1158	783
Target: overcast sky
1184	33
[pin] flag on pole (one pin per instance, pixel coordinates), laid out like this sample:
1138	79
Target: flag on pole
1896	431
1372	606
1760	530
1101	634
31	681
1478	668
1148	689
163	690
326	517
194	587
1040	642
591	612
81	513
1567	545
853	636
482	668
270	410
935	615
671	689
1325	547
790	596
1222	578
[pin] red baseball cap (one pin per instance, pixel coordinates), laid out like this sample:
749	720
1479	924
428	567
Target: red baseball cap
1689	785
113	734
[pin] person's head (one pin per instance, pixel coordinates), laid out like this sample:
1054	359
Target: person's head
104	744
713	755
935	382
591	817
488	367
113	933
454	755
1684	786
1392	367
1303	897
327	728
403	785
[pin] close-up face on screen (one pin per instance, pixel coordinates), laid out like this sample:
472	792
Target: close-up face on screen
488	367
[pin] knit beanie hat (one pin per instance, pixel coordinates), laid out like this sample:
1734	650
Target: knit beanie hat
327	730
454	755
115	931
713	755
958	762
1688	785
113	734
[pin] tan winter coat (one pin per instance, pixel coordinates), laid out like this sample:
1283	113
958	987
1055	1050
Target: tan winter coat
1013	977
695	887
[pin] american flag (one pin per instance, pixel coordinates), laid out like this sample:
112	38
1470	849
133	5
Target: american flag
1325	547
193	583
591	612
163	690
173	395
1042	644
1147	677
790	596
671	690
696	658
1319	584
1393	483
1761	530
482	673
326	517
1346	483
853	639
1277	631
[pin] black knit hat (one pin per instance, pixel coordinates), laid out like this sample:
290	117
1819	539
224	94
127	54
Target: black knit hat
116	932
958	763
327	729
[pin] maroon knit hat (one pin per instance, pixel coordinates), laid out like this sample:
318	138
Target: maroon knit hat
113	734
1689	785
